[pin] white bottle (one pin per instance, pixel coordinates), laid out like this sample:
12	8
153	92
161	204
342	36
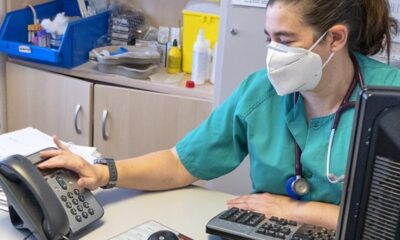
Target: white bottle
200	59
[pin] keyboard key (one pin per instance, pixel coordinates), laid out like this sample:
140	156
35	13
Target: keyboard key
285	230
228	213
282	222
292	223
270	233
246	217
256	220
280	235
274	219
237	215
261	230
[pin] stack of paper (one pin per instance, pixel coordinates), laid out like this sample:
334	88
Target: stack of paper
30	140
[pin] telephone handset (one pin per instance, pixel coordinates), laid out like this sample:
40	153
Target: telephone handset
47	203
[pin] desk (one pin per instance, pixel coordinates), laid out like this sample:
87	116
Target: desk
185	210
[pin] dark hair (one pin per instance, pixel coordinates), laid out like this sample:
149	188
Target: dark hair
369	22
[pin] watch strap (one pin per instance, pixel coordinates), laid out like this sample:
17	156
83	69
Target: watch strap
112	170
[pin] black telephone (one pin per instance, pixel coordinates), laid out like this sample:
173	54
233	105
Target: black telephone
47	203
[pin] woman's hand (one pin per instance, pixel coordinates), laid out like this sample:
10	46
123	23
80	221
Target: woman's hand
90	176
316	213
266	203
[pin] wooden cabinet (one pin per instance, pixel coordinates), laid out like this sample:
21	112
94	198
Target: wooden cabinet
135	121
130	122
50	102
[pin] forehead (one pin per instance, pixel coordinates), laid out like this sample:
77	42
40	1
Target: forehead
282	17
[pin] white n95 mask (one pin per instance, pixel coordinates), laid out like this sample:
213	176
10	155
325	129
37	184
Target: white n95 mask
293	69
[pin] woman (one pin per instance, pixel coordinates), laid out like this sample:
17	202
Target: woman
281	117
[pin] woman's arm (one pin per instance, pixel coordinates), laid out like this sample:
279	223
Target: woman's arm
316	213
155	171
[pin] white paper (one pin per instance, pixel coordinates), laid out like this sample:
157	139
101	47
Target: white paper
30	140
251	3
24	142
4	208
142	232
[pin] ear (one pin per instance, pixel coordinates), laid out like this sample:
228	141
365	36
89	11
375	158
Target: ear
337	37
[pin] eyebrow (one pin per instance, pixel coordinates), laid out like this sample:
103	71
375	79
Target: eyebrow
281	33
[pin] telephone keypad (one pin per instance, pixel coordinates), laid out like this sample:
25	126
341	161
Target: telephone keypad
81	206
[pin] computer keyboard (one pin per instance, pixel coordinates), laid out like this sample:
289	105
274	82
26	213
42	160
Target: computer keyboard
237	224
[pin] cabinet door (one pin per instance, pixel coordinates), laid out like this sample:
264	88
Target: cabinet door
49	102
129	122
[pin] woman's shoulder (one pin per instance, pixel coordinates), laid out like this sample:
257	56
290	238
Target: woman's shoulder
378	73
253	91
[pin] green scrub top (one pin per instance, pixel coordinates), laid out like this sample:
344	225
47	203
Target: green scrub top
255	121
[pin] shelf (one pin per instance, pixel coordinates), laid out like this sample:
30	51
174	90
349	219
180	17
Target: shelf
88	71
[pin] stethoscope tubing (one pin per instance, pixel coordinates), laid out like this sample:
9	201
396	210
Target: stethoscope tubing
344	106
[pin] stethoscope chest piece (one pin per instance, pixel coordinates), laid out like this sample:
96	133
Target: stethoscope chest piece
297	187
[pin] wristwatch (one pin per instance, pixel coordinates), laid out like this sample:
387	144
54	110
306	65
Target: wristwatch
112	169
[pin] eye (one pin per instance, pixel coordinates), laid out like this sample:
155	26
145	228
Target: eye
286	42
267	42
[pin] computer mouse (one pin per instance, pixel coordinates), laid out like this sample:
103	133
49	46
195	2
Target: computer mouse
163	235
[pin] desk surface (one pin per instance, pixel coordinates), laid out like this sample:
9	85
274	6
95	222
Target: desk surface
185	210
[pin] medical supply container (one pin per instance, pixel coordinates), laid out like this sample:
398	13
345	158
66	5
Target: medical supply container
200	59
198	14
174	59
79	38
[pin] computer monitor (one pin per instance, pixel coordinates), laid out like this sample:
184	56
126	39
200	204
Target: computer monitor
371	193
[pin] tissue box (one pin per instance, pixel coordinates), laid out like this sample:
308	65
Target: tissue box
79	38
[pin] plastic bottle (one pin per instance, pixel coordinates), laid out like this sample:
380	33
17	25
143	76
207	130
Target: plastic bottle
200	59
174	59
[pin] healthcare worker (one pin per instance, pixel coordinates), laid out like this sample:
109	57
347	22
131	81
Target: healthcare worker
293	119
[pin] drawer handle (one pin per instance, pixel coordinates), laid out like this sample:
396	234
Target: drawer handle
104	124
77	111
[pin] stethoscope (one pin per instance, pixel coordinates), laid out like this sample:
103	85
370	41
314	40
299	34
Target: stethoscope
297	186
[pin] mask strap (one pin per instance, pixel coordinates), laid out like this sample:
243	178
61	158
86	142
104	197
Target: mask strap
317	42
327	60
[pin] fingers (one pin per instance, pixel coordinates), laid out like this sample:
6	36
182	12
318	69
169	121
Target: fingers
87	183
59	144
50	153
68	161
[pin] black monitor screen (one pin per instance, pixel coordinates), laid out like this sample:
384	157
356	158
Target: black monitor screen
371	193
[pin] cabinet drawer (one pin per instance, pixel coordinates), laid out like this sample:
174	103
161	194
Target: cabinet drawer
130	122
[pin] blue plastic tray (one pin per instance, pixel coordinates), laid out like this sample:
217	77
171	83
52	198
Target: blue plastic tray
79	38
